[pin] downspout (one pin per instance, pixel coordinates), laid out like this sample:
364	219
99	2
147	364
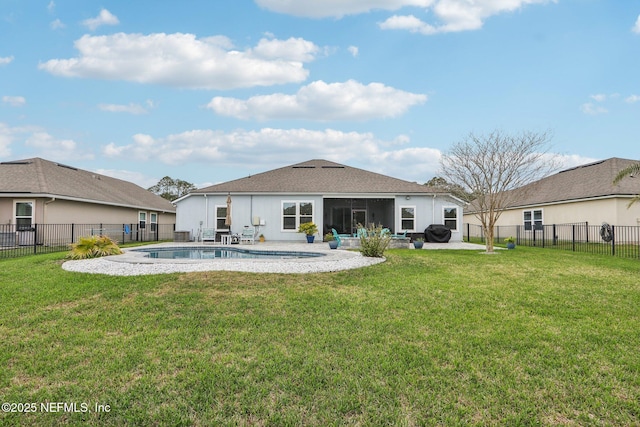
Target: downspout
206	212
433	208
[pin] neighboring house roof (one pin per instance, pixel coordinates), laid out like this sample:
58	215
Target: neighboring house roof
319	177
42	178
589	181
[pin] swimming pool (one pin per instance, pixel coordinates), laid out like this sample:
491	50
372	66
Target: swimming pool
203	252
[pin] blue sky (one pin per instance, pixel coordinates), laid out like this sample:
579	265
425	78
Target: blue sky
208	91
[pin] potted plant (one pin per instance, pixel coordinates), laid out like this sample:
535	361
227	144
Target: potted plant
261	237
310	229
333	243
418	243
511	242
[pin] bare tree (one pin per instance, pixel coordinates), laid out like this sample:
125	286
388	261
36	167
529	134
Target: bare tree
491	166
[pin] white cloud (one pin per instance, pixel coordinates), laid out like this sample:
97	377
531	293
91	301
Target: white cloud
567	161
293	49
51	148
56	24
14	101
450	15
138	178
599	97
6	60
182	60
51	6
104	18
41	143
336	8
456	15
322	101
633	99
353	50
118	108
277	147
636	27
7	136
593	110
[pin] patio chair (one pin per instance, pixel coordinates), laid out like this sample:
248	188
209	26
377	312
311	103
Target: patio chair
399	235
248	235
337	236
208	235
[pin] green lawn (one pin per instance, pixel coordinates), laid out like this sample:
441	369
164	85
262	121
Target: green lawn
524	337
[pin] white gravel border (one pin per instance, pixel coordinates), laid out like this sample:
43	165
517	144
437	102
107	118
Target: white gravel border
133	263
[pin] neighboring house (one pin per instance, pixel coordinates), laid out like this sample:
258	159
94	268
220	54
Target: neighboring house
37	191
329	194
583	194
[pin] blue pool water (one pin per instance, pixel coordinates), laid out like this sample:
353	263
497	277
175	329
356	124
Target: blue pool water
221	253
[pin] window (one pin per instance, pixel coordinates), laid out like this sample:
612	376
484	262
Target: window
407	218
450	215
296	213
24	215
153	219
221	218
142	219
533	220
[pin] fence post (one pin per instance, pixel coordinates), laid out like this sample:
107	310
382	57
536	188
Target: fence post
587	226
35	238
613	240
573	237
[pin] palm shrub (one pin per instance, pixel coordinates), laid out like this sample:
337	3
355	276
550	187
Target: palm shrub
374	240
93	247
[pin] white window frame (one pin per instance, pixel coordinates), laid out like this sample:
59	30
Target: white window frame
414	219
532	221
15	212
297	214
444	219
142	219
223	218
153	221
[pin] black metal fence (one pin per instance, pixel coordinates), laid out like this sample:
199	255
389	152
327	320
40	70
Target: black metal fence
616	240
45	238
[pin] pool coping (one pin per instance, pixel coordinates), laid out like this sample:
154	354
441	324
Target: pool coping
135	256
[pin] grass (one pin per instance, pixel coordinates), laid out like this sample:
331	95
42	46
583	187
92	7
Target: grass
524	337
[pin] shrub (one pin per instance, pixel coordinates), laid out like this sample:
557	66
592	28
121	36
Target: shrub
93	247
308	228
374	241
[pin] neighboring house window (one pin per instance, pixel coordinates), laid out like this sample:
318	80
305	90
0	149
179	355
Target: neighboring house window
296	213
153	219
407	218
221	218
533	219
142	219
450	215
24	215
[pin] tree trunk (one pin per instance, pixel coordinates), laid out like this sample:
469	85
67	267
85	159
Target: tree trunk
488	233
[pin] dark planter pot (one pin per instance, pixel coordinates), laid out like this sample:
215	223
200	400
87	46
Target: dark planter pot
333	244
418	245
511	245
310	239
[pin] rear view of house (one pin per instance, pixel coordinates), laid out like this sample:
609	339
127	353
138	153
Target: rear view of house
331	195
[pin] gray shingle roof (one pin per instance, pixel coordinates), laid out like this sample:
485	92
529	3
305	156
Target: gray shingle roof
43	177
318	177
587	181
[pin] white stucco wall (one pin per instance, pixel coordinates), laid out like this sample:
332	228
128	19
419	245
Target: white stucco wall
197	211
